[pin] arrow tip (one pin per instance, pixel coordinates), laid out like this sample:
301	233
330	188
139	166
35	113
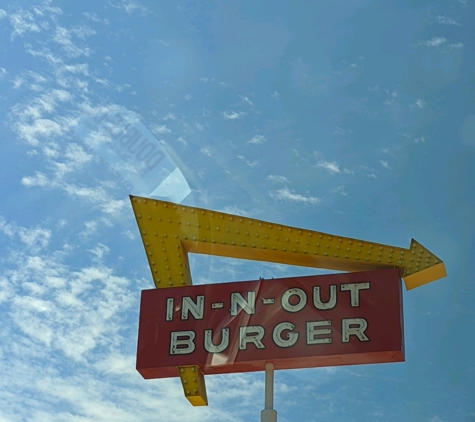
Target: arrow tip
427	267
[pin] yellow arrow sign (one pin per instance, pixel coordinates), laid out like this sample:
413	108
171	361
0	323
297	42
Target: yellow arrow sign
169	231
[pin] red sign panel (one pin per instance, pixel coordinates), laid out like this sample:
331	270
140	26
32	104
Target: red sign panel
299	322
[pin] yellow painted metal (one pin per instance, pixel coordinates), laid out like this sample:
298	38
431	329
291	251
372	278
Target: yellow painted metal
194	387
169	231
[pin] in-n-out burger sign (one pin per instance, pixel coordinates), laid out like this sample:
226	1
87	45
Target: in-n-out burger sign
293	322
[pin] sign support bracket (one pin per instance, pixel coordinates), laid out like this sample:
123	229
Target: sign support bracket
269	414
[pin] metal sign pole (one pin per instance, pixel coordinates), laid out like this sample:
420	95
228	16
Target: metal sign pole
269	414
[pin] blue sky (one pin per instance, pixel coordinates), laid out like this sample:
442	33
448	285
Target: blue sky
355	118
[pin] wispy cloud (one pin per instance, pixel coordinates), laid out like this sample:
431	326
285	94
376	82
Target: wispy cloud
206	151
391	150
98	196
169	116
95	18
130	6
182	140
331	166
340	190
385	164
247	101
446	20
160	129
433	42
419	103
276	178
257	139
30	120
23	22
342	132
287	195
392	97
64	36
34	239
3	14
362	170
248	163
233	115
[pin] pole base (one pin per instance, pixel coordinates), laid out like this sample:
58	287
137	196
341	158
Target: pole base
268	415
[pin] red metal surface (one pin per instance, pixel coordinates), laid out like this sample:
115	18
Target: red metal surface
380	306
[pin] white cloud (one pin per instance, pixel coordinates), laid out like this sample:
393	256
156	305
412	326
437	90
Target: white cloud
128	234
206	151
421	103
169	116
80	68
446	20
376	89
31	120
39	128
433	42
99	252
34	239
276	178
182	140
367	171
459	45
3	72
131	6
98	196
385	164
233	115
275	95
392	96
76	158
391	150
235	210
257	139
160	129
3	14
339	190
91	227
23	22
247	100
249	163
48	319
286	195
332	166
342	132
93	17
